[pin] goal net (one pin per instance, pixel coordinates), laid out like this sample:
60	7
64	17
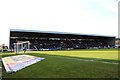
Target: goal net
22	47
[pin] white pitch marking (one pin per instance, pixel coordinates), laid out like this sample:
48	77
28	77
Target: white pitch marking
87	60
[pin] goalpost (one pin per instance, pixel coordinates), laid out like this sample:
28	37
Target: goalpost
20	46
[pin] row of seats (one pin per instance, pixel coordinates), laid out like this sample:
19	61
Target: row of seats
62	44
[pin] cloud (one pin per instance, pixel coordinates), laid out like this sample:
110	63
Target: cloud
101	7
78	16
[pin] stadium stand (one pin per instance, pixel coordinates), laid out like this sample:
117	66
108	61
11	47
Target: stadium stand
60	41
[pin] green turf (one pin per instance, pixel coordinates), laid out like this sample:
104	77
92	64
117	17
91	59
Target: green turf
70	64
0	64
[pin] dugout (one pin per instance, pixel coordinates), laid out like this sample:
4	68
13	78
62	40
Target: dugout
60	40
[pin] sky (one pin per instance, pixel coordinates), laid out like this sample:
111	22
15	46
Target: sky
97	17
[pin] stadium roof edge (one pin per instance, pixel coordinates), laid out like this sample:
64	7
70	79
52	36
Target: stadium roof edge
57	32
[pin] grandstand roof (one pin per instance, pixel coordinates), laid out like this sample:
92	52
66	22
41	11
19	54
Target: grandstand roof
50	34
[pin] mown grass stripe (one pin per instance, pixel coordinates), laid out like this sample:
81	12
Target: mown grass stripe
94	60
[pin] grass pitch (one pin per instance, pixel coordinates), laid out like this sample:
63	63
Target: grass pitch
101	63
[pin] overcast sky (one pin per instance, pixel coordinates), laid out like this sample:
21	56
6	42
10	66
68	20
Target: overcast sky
98	17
